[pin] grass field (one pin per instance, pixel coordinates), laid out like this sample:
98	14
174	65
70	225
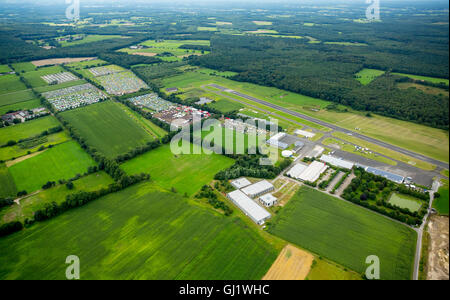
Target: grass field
87	63
404	201
366	76
152	129
226	106
426	89
10	84
16	97
424	78
7	185
442	203
346	233
425	140
63	161
89	39
31	204
34	77
172	46
27	129
7	153
139	233
324	270
187	173
106	127
4	69
14	104
24	67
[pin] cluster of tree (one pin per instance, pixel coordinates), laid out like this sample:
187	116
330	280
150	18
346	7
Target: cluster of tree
126	60
250	166
208	193
327	72
195	47
373	192
9	228
341	181
42	134
160	70
6	202
223	186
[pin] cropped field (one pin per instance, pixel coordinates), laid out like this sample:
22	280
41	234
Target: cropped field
424	78
27	129
442	203
24	67
10	84
16	97
31	204
187	173
63	161
34	77
346	233
108	128
366	76
139	233
7	185
404	201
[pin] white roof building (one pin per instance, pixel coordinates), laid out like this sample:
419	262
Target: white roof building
240	183
297	170
249	207
313	172
306	134
337	162
258	189
268	200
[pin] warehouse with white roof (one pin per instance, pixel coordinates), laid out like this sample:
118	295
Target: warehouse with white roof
308	173
337	162
240	183
258	189
249	207
297	170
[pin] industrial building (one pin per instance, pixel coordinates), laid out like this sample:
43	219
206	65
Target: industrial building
249	207
268	200
390	176
258	189
310	173
337	162
275	141
240	183
306	134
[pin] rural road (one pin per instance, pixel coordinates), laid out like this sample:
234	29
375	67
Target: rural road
420	230
334	127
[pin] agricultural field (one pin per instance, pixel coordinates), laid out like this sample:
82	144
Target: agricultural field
187	173
24	67
87	64
16	97
10	84
104	126
169	46
63	161
89	39
25	105
139	233
35	77
5	69
33	146
27	129
366	76
441	204
346	233
57	194
405	201
424	78
7	185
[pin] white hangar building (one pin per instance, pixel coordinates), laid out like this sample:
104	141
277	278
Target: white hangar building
249	207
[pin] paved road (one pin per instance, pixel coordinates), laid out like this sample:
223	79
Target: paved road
336	128
420	231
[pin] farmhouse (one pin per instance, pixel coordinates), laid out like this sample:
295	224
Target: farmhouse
337	162
268	200
310	173
249	207
258	189
240	183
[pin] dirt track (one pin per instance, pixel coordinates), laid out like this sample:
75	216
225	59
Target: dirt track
438	257
291	264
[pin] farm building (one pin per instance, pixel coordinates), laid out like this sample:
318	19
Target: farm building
268	200
390	176
240	183
337	162
308	173
171	90
258	189
249	207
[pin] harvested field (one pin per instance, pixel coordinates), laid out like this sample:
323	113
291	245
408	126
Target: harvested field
291	264
59	61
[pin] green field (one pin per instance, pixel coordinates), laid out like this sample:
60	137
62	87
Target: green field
106	127
24	67
404	201
63	161
10	84
89	39
87	64
5	69
442	203
16	97
49	88
172	46
25	105
27	129
7	185
31	204
346	233
7	153
139	233
366	76
226	106
187	173
424	78
34	77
